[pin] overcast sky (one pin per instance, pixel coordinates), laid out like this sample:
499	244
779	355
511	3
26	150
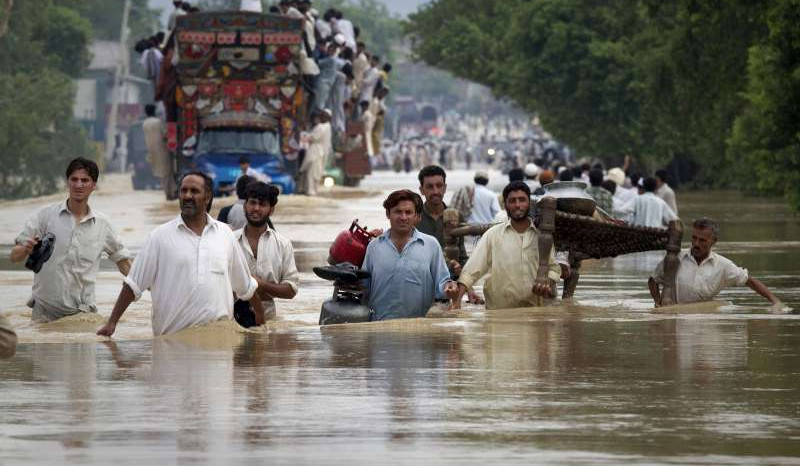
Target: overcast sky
402	7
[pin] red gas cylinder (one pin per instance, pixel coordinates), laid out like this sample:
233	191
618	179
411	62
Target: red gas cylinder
350	246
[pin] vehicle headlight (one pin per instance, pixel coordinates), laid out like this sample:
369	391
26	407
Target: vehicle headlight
490	151
328	182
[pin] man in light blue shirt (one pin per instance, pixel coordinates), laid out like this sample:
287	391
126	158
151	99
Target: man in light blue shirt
407	268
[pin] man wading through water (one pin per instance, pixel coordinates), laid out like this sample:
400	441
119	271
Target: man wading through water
270	256
509	252
191	265
65	284
432	185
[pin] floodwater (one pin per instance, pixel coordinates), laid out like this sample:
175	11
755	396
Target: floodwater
599	380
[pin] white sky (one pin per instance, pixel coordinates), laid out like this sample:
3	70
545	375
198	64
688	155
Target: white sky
402	7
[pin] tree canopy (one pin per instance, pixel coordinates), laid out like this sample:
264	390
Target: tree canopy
657	80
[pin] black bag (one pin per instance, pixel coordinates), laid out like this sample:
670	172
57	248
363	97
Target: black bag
243	313
41	253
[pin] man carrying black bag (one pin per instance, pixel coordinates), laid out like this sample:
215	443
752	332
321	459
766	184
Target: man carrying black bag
62	243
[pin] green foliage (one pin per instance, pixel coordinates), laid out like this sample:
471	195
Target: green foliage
650	78
44	49
106	17
766	136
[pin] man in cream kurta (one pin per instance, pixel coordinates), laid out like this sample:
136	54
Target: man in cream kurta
510	257
272	262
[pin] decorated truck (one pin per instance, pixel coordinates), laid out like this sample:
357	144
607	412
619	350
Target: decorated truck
232	88
237	93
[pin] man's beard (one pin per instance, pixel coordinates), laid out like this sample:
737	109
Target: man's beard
518	216
257	224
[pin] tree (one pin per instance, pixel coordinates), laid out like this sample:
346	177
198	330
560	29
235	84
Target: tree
696	80
766	136
45	47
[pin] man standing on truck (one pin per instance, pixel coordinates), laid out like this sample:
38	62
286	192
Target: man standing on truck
319	142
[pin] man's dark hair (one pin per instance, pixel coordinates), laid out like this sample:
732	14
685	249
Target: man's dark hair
274	10
431	170
160	35
150	110
662	175
566	175
337	14
596	177
516	174
244	159
705	223
387	67
577	172
598	166
649	184
85	164
516	186
609	186
403	195
481	180
356	31
263	192
140	46
208	183
635	177
241	185
347	54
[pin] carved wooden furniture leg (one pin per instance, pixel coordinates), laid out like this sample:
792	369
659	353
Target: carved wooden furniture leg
669	294
572	281
450	218
547	224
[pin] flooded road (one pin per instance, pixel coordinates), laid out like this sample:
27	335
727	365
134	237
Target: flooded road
599	380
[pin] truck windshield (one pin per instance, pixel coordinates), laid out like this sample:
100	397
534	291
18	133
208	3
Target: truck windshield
238	141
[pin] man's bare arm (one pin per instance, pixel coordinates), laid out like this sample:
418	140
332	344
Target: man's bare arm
124	300
268	290
655	292
124	266
22	250
762	289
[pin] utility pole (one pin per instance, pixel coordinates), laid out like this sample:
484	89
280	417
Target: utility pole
120	70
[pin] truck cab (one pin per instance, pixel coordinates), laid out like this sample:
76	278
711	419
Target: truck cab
218	151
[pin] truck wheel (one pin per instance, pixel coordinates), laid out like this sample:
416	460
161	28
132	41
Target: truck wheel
351	182
137	182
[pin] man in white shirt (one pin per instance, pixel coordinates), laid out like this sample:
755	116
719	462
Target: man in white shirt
484	201
650	210
702	273
191	265
344	26
664	191
65	284
157	153
236	218
371	78
269	255
509	253
624	198
251	5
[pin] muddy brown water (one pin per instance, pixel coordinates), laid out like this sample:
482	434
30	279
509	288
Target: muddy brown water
599	380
